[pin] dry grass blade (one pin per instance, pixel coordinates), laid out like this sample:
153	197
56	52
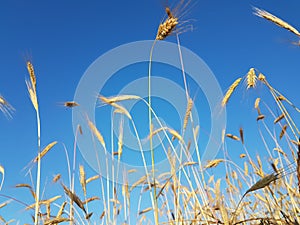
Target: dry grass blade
276	20
230	91
233	137
82	179
283	130
279	118
97	133
71	104
45	151
213	163
251	78
74	198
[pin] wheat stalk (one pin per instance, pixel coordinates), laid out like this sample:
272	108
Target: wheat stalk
31	86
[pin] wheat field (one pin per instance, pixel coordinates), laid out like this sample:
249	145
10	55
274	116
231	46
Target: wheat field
257	187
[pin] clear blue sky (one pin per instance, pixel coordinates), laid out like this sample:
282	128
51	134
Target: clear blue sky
64	37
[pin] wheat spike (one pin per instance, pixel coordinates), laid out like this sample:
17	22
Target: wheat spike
45	150
242	155
61	209
56	221
280	98
31	74
97	133
167	27
279	118
187	113
119	109
283	130
91	199
262	77
74	198
92	178
171	131
260	117
242	134
256	104
251	78
276	20
56	178
213	163
230	91
118	98
233	137
145	210
31	86
82	179
71	104
263	182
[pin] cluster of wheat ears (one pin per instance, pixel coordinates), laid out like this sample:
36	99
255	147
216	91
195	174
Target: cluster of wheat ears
188	193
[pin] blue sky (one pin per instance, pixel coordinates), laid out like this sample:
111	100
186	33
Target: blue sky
62	38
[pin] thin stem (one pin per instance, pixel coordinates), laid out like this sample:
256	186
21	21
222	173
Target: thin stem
38	178
151	140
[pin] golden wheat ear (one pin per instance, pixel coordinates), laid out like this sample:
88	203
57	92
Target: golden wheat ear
279	22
